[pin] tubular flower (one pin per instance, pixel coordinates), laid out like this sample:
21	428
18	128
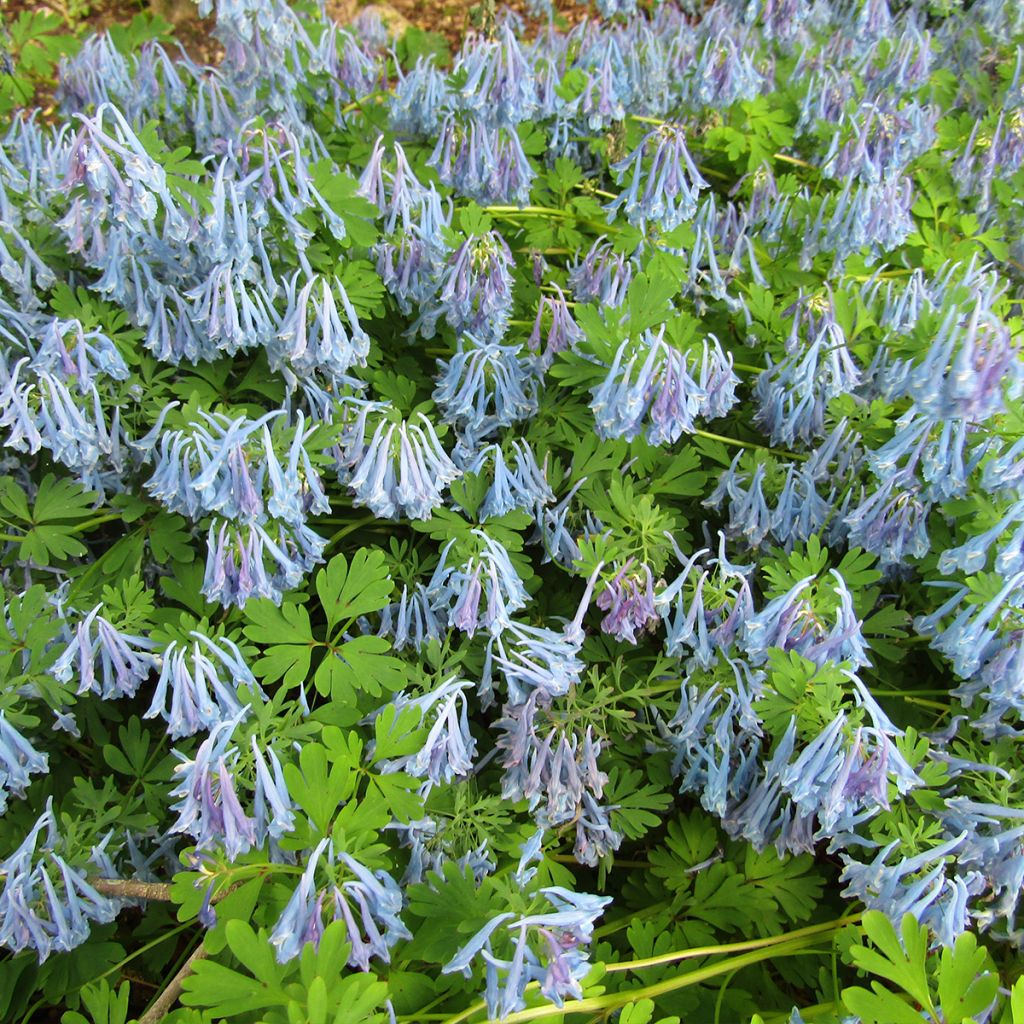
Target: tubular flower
476	288
18	760
659	397
556	958
666	191
487	577
485	386
411	488
124	661
375	896
200	698
47	905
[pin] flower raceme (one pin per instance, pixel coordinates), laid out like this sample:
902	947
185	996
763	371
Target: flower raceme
665	191
654	393
559	934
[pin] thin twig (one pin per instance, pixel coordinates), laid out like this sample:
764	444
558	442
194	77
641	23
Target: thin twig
132	889
161	1006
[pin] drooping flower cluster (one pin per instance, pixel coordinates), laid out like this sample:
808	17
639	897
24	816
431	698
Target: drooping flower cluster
485	297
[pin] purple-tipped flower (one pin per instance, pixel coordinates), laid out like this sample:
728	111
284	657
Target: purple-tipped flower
247	561
199	697
562	333
497	80
208	806
411	263
628	599
792	396
483	163
559	933
107	662
651	393
414	486
891	522
447	752
476	288
312	336
484	592
602	275
372	930
46	904
524	487
485	386
927	885
664	192
18	760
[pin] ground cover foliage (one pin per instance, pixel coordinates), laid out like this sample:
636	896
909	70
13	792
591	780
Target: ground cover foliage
536	535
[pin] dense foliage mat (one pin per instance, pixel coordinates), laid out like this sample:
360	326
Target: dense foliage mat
538	534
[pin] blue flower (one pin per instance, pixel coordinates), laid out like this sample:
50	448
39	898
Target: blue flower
666	192
481	162
191	675
926	885
658	397
411	620
273	814
419	98
602	275
447	752
411	262
415	486
41	912
476	288
245	561
18	760
377	898
526	487
497	81
562	933
208	806
793	395
312	336
487	577
891	521
485	386
124	660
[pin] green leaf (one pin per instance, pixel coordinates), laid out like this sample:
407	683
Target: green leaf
452	897
399	793
898	959
359	666
346	592
59	508
965	988
326	776
879	1005
105	1005
288	660
637	808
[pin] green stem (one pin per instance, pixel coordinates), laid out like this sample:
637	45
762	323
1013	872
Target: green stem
734	947
617	1000
527	211
358	104
96	521
793	160
350	528
590	190
752	445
